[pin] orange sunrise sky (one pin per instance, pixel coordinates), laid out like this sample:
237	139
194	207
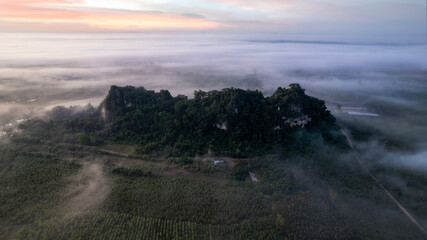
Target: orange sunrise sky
331	16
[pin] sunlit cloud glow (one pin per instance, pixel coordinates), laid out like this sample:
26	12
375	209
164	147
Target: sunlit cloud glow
325	16
115	15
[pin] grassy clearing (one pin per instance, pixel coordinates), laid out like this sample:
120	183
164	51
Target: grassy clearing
125	149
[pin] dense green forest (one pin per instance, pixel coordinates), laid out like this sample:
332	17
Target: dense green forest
229	164
232	121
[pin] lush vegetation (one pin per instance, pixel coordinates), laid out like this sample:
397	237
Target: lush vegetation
308	185
300	195
231	121
110	225
30	181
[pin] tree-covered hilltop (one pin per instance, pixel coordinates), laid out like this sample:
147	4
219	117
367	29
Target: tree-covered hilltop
65	177
231	121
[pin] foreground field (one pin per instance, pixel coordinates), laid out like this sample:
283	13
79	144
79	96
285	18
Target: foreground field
65	191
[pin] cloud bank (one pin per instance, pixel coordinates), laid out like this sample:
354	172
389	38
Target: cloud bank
383	76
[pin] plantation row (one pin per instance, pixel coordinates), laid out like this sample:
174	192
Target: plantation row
31	183
302	195
185	199
111	225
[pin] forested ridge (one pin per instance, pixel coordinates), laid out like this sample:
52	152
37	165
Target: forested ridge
232	121
147	165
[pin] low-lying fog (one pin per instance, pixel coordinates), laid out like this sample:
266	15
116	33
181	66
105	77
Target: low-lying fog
377	83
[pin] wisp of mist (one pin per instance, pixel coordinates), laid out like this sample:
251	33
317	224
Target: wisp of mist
380	83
